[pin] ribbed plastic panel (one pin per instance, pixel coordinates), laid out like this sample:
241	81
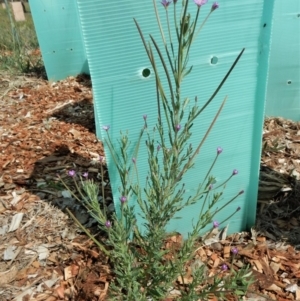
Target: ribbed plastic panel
283	93
59	35
122	95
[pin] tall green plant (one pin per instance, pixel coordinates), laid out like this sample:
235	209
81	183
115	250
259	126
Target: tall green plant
144	268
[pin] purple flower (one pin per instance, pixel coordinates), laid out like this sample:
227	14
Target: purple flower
235	172
123	199
200	2
107	224
241	192
224	267
72	173
214	6
85	174
210	187
166	3
145	117
101	158
219	150
134	160
158	148
234	250
216	224
106	127
178	127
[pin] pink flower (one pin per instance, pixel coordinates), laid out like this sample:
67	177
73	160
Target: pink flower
72	173
200	2
107	224
224	267
219	150
234	250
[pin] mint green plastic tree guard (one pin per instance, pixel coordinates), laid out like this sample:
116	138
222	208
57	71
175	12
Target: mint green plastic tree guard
122	94
60	39
283	93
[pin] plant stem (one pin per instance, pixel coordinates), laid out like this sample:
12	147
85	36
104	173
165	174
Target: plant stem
201	143
88	233
158	22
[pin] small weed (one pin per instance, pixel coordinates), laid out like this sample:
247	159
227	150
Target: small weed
19	48
273	146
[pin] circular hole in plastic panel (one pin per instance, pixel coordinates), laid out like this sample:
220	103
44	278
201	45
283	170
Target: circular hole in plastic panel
289	82
214	60
146	72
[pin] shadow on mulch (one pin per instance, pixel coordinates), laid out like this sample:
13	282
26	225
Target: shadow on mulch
278	213
81	113
49	169
46	176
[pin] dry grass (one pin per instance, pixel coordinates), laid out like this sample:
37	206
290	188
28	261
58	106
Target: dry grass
18	45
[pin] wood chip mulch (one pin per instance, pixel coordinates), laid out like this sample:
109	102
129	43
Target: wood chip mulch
48	128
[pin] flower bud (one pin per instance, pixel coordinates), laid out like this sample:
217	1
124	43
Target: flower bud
107	224
216	224
106	127
123	199
214	6
166	3
178	127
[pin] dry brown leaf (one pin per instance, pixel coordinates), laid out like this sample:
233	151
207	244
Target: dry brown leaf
60	291
258	265
226	251
8	276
